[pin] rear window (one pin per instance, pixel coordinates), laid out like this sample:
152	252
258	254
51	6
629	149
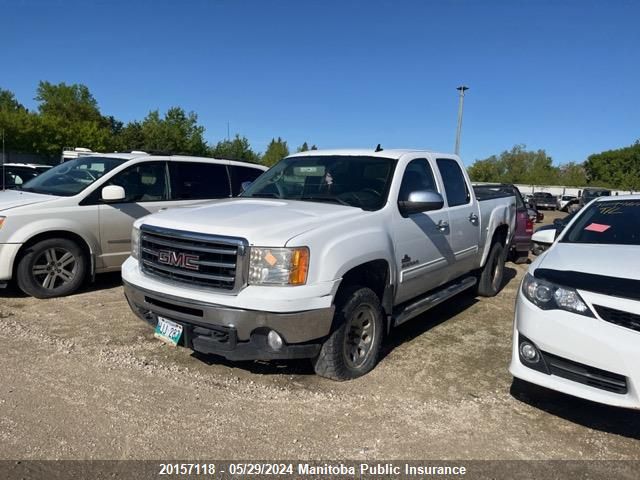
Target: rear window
608	223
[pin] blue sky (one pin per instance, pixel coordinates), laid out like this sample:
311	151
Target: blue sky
558	75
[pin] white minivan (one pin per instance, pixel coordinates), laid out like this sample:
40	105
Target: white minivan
74	220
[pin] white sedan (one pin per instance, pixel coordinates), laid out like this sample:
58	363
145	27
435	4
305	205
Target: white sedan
577	321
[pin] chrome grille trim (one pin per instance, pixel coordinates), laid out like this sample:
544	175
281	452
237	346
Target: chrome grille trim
216	262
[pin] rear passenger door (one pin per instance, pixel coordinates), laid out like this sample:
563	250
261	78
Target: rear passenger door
463	216
194	182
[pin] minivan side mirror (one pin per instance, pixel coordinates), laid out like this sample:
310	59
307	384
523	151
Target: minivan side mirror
421	201
113	193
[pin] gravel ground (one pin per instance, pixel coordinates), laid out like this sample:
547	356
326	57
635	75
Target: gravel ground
83	378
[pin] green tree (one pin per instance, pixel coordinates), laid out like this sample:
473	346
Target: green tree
276	151
572	174
303	148
615	168
236	149
71	103
517	165
177	132
8	101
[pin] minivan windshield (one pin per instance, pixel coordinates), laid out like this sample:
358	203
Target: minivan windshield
70	178
355	181
609	223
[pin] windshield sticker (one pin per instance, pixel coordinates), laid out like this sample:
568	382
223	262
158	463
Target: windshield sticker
597	227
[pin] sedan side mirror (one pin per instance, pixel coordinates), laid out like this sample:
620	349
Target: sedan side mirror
244	186
113	193
421	201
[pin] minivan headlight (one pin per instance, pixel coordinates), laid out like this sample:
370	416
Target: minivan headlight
278	266
135	242
550	296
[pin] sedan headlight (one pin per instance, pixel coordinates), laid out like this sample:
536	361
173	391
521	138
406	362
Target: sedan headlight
278	266
550	296
135	243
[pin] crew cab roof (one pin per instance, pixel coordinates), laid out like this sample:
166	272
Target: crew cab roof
351	152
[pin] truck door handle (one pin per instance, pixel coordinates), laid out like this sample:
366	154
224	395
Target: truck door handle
473	218
442	225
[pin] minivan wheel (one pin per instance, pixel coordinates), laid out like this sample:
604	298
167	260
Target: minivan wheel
353	348
51	268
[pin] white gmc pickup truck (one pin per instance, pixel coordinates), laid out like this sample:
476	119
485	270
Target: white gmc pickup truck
319	258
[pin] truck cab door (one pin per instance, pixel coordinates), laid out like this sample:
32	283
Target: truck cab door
464	217
422	248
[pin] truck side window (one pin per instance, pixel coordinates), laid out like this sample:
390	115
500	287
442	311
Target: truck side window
454	183
240	175
143	182
197	181
417	176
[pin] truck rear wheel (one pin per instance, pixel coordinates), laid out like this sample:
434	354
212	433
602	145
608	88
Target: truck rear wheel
353	348
51	268
490	279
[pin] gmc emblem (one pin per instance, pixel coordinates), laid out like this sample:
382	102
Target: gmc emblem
175	259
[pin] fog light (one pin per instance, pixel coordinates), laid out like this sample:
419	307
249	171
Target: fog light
274	340
529	352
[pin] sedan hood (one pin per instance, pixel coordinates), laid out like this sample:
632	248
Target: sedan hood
17	198
266	222
607	260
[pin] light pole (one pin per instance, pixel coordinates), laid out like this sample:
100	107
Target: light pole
461	89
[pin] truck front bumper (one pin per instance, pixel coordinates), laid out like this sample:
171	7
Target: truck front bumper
234	333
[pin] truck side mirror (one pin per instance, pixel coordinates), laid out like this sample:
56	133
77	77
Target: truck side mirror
420	201
113	193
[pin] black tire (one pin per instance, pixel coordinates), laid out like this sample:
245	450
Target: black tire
52	268
491	275
340	358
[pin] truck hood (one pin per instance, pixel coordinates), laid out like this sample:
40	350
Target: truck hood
606	260
266	222
17	198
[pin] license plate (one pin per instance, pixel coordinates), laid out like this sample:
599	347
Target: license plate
168	331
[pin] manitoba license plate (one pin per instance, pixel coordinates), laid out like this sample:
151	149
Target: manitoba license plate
168	331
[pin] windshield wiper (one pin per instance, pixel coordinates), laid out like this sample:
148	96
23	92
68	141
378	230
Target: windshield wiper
263	195
324	198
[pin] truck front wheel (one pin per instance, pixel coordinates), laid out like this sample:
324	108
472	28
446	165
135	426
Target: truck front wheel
353	347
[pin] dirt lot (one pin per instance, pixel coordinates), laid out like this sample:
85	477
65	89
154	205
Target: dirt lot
82	378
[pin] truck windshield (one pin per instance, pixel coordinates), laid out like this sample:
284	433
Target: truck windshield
355	181
609	223
70	178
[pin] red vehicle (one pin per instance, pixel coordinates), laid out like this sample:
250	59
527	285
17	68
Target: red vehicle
524	224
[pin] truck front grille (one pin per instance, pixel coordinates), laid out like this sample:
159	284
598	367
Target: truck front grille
194	258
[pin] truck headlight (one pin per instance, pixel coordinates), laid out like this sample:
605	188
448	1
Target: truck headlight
135	242
550	296
278	266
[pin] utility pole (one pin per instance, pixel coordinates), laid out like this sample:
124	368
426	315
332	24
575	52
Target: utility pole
461	89
3	162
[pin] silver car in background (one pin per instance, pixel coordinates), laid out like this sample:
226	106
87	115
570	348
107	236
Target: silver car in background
74	220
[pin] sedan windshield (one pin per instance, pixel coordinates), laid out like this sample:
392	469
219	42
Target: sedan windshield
609	223
70	178
355	181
